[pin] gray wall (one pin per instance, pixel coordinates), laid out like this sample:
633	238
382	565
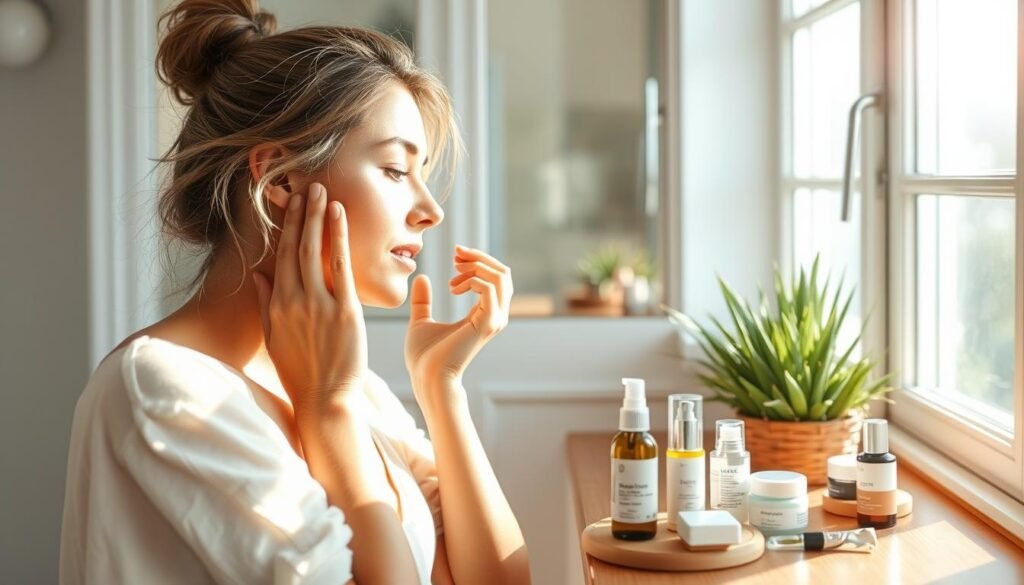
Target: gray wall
43	295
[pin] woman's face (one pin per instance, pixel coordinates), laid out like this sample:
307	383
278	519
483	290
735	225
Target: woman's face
377	175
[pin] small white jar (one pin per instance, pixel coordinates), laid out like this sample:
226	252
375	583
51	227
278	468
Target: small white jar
842	477
777	502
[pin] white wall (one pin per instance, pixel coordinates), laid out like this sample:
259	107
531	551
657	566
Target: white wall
44	351
730	160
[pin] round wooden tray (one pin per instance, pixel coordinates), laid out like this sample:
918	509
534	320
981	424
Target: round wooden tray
666	551
904	505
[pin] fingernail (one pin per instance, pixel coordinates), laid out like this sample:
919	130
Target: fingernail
296	200
335	211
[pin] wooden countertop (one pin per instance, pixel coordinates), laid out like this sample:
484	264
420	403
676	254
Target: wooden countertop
940	542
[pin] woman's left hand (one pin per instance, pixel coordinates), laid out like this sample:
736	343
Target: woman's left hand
437	354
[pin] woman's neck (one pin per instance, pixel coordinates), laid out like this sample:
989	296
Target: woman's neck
221	321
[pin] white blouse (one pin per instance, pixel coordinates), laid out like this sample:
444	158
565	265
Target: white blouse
176	475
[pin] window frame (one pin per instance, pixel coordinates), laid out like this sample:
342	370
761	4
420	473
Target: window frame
985	449
872	157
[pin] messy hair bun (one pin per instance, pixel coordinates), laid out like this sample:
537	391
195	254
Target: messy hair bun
200	35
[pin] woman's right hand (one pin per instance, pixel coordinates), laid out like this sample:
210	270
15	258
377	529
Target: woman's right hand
316	339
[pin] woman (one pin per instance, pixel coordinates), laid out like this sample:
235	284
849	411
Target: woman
243	439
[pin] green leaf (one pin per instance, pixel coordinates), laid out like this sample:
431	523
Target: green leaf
846	396
781	408
797	400
820	411
755	393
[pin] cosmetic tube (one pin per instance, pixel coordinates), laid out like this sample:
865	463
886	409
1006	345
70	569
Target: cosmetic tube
859	540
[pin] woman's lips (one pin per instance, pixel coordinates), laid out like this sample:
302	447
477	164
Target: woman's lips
406	262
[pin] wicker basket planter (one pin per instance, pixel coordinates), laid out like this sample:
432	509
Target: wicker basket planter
802	446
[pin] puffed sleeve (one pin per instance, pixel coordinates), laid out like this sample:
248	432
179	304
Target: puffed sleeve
413	444
222	472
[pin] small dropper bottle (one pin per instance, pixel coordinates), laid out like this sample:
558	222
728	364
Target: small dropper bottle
730	469
634	460
876	477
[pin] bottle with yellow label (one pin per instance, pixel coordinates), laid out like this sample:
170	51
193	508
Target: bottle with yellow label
684	456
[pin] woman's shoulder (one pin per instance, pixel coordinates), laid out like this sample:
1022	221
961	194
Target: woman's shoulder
155	374
162	374
150	381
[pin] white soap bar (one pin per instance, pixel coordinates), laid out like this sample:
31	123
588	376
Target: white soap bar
708	528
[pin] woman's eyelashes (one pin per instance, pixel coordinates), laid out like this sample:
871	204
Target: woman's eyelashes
395	174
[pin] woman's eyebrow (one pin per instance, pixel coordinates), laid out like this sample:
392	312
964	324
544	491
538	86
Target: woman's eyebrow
410	146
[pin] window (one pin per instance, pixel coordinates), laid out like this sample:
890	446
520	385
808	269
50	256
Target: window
933	240
822	62
966	102
955	257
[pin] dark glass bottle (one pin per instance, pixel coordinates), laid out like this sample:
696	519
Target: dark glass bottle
876	478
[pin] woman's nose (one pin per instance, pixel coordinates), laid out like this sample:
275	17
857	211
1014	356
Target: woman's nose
428	212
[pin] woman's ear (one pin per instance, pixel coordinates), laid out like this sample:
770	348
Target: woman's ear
279	190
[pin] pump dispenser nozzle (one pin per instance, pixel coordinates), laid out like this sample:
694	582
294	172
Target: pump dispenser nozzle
688	425
634	414
729	436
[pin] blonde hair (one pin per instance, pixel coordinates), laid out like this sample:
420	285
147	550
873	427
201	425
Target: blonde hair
244	85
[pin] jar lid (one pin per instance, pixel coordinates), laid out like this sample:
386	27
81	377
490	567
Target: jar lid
843	467
778	484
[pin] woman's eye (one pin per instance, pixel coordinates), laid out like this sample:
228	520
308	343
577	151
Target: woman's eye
395	174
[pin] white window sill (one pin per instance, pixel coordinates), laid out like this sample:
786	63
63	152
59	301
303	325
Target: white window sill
995	506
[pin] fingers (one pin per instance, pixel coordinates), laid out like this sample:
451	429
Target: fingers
478	268
492	318
310	249
286	277
501	280
464	254
420	299
341	256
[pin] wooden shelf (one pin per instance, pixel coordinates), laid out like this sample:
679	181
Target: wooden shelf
940	541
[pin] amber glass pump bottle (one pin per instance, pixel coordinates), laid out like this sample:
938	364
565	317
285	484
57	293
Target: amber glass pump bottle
634	460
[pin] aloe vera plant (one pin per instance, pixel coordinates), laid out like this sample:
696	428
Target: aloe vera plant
783	363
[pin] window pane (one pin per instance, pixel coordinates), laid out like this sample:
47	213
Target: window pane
966	86
965	298
817	230
574	146
799	7
826	82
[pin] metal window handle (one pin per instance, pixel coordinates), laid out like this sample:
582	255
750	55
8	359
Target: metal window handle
852	134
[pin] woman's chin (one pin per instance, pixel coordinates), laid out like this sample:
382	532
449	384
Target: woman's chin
389	296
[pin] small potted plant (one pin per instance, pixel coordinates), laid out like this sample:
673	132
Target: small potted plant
597	272
802	397
614	281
